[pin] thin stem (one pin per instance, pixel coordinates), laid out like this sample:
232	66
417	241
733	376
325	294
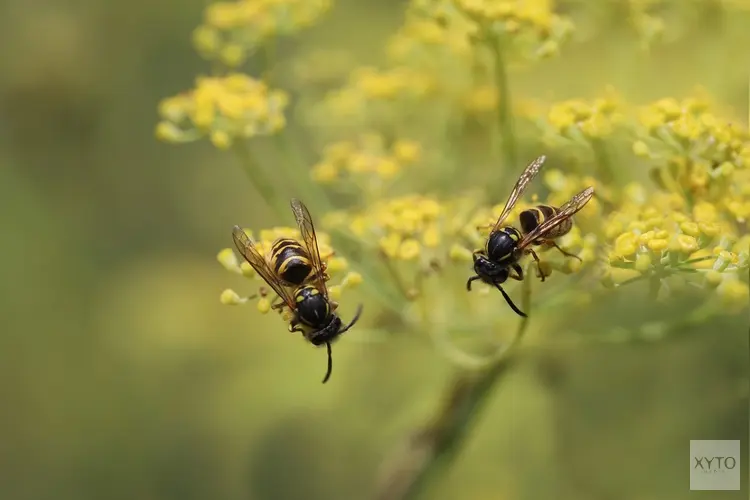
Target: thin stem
504	112
604	166
259	178
394	274
431	448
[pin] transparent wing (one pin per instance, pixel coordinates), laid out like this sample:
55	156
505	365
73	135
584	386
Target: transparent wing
248	250
526	177
569	209
307	230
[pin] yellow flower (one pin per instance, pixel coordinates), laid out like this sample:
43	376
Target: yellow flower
239	27
222	108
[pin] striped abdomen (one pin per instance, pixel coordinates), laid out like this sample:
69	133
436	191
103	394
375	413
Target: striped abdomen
533	217
290	260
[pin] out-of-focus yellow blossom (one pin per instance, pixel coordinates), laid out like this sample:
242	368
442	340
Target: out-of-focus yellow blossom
223	109
321	67
531	27
373	97
649	26
481	99
368	161
694	152
432	32
436	39
379	84
233	30
337	268
578	121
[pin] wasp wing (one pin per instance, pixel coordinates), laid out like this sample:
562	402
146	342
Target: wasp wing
251	253
566	211
526	177
307	230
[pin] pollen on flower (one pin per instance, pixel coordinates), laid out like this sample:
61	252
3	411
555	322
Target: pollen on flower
223	108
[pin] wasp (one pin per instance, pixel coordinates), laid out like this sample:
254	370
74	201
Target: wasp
298	276
533	217
503	249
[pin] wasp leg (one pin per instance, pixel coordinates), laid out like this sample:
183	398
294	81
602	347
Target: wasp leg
275	304
509	301
564	252
519	273
294	327
468	283
538	264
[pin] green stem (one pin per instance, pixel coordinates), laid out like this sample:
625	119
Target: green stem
430	449
609	174
504	112
259	178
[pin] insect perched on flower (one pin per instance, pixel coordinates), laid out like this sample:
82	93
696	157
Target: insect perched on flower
505	245
298	277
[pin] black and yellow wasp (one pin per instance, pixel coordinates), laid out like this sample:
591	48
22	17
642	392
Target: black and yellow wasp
298	276
506	245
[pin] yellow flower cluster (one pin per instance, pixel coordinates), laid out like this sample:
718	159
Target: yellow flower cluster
373	97
336	267
649	26
233	30
366	160
406	228
693	151
532	26
578	121
660	236
222	108
433	33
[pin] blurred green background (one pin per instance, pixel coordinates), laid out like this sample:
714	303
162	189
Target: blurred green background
123	377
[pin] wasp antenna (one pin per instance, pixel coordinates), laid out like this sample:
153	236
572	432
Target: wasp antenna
330	363
354	320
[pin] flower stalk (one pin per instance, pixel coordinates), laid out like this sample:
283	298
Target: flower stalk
417	463
496	44
259	178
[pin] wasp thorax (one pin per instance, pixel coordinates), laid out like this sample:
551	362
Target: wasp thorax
502	243
313	308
